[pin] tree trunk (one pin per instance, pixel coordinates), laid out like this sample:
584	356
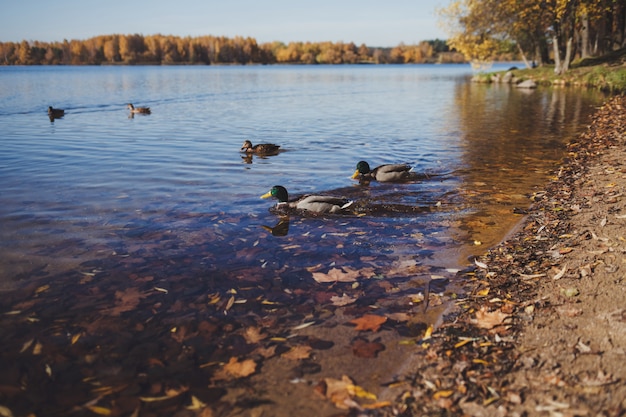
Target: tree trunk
584	37
521	51
568	55
557	55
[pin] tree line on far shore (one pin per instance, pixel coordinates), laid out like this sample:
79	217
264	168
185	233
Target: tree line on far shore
171	50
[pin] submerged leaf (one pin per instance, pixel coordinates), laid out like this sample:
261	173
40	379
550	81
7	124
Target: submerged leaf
369	322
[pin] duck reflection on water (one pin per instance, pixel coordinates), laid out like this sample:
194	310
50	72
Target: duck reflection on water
279	229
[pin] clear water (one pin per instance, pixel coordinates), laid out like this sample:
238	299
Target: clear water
169	194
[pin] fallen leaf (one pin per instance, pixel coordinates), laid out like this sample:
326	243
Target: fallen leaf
236	369
336	275
479	264
369	322
101	411
559	273
344	300
337	391
366	349
253	335
489	319
570	292
298	352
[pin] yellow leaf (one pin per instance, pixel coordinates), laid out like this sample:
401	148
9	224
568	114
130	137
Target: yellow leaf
374	406
483	292
75	338
101	411
480	361
463	343
196	404
42	289
428	333
442	394
360	392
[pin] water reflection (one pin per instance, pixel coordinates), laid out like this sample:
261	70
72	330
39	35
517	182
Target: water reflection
279	229
527	132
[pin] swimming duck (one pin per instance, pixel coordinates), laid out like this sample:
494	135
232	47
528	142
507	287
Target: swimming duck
55	113
140	110
260	149
312	203
384	173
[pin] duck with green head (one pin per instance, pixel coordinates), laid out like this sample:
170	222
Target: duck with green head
313	203
384	173
260	148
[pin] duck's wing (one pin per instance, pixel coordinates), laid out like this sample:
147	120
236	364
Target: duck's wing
266	148
393	172
322	204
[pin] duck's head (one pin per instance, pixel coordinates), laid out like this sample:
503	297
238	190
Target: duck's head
49	109
278	192
246	145
130	106
362	168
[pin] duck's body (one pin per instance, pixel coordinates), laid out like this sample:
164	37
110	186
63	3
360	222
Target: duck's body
139	110
55	113
313	203
260	148
384	173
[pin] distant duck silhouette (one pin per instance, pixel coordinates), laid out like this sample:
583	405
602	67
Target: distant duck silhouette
260	149
55	113
138	110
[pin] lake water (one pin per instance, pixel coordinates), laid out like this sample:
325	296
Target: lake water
137	259
169	194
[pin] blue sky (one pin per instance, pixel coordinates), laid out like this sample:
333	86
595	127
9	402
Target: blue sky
375	23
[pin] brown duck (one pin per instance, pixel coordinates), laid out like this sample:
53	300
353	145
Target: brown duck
260	149
139	110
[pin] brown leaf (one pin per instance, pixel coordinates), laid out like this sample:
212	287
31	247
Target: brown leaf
365	349
337	391
126	300
336	275
369	322
489	319
253	335
344	300
236	369
298	352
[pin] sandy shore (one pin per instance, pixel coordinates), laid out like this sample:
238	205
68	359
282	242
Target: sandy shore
543	331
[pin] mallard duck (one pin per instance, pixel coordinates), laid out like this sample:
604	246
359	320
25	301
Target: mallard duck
55	113
384	173
260	149
140	110
312	203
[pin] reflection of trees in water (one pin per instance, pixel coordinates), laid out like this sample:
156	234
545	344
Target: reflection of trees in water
511	141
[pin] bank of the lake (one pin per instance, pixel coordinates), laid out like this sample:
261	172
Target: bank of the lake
544	329
606	73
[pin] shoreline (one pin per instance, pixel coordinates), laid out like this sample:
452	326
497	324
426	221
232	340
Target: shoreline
543	327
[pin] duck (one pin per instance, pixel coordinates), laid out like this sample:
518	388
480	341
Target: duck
384	173
260	149
55	113
140	110
311	203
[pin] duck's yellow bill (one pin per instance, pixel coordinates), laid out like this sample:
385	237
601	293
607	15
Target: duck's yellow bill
267	194
356	174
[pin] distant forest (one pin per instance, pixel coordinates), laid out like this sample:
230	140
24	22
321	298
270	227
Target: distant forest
208	50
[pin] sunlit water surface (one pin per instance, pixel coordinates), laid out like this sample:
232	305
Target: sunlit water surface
169	194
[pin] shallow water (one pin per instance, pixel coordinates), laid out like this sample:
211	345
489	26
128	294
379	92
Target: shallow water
171	192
